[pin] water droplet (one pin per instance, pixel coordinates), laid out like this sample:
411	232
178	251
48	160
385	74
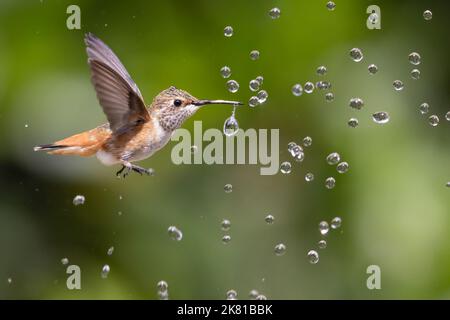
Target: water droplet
309	87
322	70
296	152
331	5
9	280
353	122
427	15
280	249
424	107
448	184
231	294
323	85
313	256
253	294
433	120
162	292
64	261
226	224
262	96
78	200
342	167
309	177
356	54
323	227
398	85
307	141
174	233
322	244
373	18
226	239
230	126
414	58
26	125
291	145
105	271
297	90
356	103
330	183
269	219
415	74
228	188
194	149
372	69
225	72
261	297
228	31
260	79
254	55
232	86
254	85
336	223
110	251
274	13
286	167
333	158
447	116
329	97
253	101
380	117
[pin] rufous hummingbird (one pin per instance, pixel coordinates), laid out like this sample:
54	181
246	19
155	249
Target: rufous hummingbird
134	131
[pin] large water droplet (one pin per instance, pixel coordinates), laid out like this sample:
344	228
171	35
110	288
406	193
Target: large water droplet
356	54
313	256
225	72
174	233
427	15
228	31
274	13
232	86
380	117
230	126
297	89
280	249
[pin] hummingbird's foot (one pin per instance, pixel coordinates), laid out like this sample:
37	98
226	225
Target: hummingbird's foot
126	169
122	173
142	171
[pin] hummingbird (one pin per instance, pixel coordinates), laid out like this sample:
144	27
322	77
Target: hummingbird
134	131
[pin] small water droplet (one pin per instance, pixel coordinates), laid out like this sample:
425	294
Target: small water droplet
414	58
162	291
313	256
373	18
330	183
226	239
380	117
253	101
322	244
307	141
336	223
110	251
286	167
447	116
323	227
26	125
427	15
262	96
448	184
356	103
309	87
342	167
105	271
175	233
230	126
323	85
228	31
269	219
261	297
254	55
228	188
226	224
424	108
333	158
78	200
329	97
296	152
309	177
260	79
232	86
225	72
331	5
433	120
372	69
231	294
275	13
356	54
322	70
64	261
297	89
253	294
415	74
194	149
254	85
353	122
280	249
398	85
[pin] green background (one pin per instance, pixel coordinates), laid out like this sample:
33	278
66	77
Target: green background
394	203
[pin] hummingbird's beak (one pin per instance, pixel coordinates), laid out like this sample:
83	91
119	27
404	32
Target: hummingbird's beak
205	102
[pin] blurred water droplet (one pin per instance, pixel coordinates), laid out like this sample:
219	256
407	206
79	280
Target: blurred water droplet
194	149
254	85
230	126
329	97
286	167
262	96
253	101
398	85
228	188
275	13
373	18
296	152
225	72
269	219
322	244
231	294
228	31
226	239
9	280
163	292
254	55
260	79
323	85
415	74
333	158
105	271
336	223
64	261
447	116
330	183
261	297
414	58
280	249
380	117
253	294
26	125
175	233
372	69
342	167
309	87
323	227
78	200
313	256
448	184
322	70
353	122
297	89
433	120
110	251
424	108
226	224
309	177
356	54
427	15
331	5
232	86
307	141
356	103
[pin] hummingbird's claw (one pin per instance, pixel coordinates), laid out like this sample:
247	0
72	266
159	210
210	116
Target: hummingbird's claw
125	171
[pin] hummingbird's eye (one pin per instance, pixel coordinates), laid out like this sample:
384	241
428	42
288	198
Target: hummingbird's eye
177	102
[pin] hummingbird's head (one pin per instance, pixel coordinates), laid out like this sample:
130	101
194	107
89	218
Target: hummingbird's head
173	106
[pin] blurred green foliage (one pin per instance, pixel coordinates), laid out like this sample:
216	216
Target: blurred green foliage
393	201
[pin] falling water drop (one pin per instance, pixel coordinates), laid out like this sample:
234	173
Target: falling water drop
309	87
269	219
356	103
322	244
105	271
424	107
309	177
254	55
331	5
380	117
174	233
110	251
226	224
330	183
427	15
64	261
414	58
275	13
333	158
253	101
228	31
225	72
232	86
280	249
313	256
329	97
323	227
226	239
297	89
398	85
254	85
228	188
322	70
307	141
356	54
78	200
285	167
415	74
342	167
433	120
231	294
372	69
336	223
262	96
353	122
230	126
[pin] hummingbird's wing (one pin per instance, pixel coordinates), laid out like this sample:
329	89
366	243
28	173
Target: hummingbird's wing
119	96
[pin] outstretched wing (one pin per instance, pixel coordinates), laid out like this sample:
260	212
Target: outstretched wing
118	94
